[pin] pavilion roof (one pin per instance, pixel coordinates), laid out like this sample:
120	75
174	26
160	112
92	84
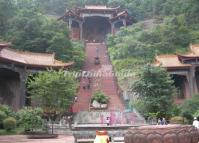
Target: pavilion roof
72	14
122	14
30	59
116	12
169	61
176	61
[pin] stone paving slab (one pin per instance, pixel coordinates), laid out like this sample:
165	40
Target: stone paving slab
23	139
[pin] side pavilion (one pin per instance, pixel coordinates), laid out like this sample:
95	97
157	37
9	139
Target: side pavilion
15	66
184	69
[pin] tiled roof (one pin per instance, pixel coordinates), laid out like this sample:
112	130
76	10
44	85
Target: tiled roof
70	13
169	61
102	9
30	58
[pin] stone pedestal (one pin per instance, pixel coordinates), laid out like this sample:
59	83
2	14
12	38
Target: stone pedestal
162	134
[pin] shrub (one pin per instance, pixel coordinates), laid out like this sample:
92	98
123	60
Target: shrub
30	118
196	114
100	97
190	105
178	120
188	116
2	116
9	123
7	110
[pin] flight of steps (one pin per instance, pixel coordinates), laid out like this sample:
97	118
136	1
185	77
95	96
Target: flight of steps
106	84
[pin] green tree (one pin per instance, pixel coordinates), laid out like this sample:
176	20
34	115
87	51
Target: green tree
78	54
155	87
53	91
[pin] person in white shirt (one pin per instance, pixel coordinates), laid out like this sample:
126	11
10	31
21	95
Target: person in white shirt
196	123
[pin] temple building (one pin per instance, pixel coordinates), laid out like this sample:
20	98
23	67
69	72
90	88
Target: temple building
184	69
15	66
93	23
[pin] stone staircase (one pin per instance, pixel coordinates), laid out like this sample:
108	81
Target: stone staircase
104	82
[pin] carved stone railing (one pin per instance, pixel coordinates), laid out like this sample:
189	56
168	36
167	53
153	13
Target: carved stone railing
162	134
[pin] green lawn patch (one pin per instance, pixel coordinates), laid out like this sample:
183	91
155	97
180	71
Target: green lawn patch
16	131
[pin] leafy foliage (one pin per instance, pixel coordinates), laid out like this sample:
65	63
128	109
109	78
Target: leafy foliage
155	87
30	118
196	114
78	54
7	110
190	107
100	97
25	25
53	90
2	116
9	123
7	10
39	34
178	120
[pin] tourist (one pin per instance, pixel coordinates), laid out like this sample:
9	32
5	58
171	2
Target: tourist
196	123
84	84
75	99
164	122
97	51
159	121
108	121
88	86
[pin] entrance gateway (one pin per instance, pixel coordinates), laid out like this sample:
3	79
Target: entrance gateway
93	23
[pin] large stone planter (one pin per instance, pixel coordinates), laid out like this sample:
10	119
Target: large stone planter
162	134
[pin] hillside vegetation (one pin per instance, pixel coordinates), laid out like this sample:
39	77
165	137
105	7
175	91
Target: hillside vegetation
25	25
160	26
168	27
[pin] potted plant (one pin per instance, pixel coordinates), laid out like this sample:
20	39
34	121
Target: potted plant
99	100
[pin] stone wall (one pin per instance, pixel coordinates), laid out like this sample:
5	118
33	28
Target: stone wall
99	117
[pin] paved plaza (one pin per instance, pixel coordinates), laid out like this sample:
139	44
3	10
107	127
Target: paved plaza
23	139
